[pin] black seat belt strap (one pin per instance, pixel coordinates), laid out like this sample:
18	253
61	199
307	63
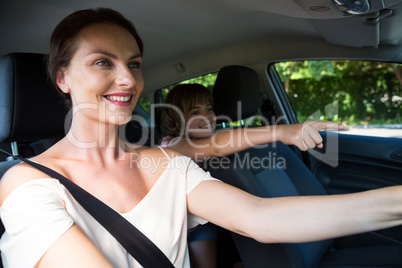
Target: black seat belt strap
140	247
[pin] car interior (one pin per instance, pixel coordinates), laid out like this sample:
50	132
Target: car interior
240	42
292	179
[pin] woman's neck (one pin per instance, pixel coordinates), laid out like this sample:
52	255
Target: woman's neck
94	140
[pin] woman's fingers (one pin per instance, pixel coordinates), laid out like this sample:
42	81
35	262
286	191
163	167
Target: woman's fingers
311	137
309	141
315	136
306	136
321	125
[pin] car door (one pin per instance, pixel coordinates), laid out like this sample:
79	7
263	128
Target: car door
363	95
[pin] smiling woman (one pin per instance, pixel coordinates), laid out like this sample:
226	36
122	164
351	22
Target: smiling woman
95	60
109	71
62	44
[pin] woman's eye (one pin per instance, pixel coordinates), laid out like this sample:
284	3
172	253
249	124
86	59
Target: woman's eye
134	65
194	113
103	63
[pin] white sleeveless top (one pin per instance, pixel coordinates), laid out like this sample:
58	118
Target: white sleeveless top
38	212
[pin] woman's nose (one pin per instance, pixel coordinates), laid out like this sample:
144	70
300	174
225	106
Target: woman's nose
125	77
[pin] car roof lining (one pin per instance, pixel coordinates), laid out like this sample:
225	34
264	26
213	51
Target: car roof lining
187	32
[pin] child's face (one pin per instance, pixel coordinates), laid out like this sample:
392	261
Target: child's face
200	121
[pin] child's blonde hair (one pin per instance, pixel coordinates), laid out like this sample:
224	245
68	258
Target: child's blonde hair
184	97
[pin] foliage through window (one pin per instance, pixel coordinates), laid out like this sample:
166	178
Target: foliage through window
144	103
367	94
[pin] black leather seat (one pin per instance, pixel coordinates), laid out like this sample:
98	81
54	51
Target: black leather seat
30	107
282	173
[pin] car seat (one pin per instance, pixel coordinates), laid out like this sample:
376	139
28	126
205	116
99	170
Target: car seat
32	113
23	84
282	174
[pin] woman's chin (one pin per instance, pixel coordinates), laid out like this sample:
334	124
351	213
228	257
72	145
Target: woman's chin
124	121
120	120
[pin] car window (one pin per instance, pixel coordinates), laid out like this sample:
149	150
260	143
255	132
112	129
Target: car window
366	96
144	103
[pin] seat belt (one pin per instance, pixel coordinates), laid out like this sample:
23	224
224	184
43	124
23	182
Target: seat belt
140	247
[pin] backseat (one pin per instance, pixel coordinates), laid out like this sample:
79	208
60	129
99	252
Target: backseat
282	173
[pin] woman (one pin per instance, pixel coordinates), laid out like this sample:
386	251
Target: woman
95	58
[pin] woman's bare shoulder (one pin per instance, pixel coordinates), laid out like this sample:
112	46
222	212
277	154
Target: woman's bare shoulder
16	176
22	173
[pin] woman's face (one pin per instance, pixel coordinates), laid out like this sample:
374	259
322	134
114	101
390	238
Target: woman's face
104	76
200	121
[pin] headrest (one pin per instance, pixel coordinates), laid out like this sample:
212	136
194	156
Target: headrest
236	93
30	107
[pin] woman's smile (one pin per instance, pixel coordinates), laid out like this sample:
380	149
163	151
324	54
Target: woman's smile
120	99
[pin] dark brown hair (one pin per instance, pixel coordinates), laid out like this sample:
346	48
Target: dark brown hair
184	97
63	40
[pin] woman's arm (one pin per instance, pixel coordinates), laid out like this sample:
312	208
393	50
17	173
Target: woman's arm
73	249
296	219
304	136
